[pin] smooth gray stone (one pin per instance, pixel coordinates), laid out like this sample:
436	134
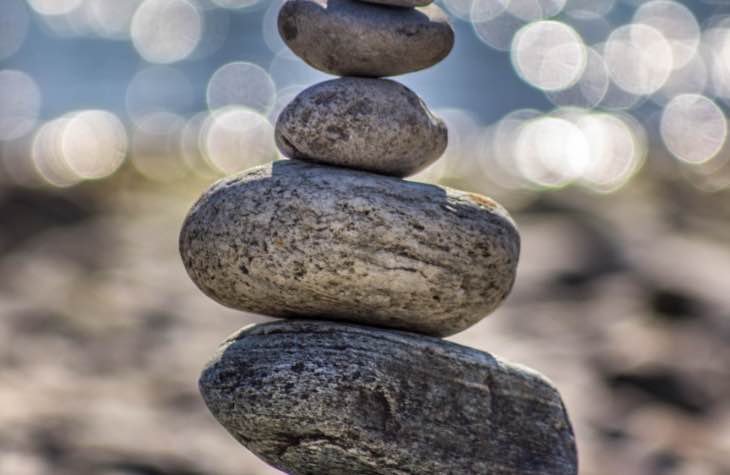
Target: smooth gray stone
295	239
325	398
353	38
375	125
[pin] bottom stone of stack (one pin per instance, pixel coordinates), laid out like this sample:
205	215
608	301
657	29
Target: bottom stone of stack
315	397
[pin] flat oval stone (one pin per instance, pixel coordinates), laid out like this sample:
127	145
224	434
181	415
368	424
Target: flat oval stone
369	124
327	398
294	239
353	38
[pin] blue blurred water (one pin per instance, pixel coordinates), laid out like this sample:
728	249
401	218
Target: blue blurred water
78	73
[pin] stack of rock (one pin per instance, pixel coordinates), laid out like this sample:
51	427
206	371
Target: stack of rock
369	270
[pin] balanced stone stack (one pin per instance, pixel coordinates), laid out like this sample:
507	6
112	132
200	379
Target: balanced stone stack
369	271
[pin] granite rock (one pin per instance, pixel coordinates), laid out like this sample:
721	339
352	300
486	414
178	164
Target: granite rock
375	125
296	239
327	398
353	38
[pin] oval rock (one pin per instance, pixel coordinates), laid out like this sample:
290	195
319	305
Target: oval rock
327	398
375	125
354	38
294	239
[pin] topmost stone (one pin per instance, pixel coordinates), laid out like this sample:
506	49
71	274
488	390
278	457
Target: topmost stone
354	38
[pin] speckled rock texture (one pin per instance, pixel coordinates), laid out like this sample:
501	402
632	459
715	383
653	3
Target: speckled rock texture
353	38
375	125
325	398
295	239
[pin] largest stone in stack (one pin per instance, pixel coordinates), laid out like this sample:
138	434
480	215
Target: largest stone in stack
369	270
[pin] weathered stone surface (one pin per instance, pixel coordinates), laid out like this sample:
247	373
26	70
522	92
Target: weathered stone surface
353	38
295	239
375	125
327	398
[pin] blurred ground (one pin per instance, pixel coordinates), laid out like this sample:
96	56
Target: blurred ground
621	300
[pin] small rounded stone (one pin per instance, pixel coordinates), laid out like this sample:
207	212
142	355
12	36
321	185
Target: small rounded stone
375	125
353	38
295	239
327	398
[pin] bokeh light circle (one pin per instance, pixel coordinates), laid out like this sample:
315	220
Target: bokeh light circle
639	58
283	98
459	8
237	138
166	31
241	84
94	143
582	9
498	32
615	152
591	87
715	49
235	4
501	160
270	27
112	19
549	55
458	161
694	128
678	25
526	10
551	152
54	7
20	103
483	10
47	154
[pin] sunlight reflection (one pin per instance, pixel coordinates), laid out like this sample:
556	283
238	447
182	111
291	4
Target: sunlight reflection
678	25
166	31
47	154
549	55
639	58
693	128
613	69
235	138
94	144
551	152
241	84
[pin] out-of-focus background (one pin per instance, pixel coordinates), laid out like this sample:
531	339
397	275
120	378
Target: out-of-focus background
601	124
